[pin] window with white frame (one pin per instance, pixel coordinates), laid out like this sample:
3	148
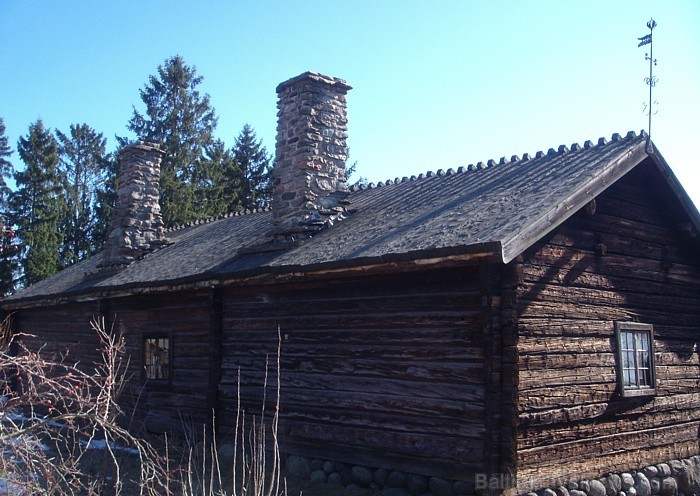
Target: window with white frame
635	353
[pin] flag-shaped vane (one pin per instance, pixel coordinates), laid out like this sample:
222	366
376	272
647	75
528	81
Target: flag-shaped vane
651	80
645	40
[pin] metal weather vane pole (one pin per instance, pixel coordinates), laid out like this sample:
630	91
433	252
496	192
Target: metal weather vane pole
651	80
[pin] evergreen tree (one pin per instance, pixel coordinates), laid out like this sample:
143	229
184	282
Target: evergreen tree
5	167
219	184
183	121
106	199
7	258
82	168
37	204
254	168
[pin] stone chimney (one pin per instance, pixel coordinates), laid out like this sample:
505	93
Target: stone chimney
309	175
136	225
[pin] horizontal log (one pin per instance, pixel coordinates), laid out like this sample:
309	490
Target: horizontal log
562	293
532	478
452	447
325	384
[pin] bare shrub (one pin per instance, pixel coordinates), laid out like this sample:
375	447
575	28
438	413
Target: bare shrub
54	414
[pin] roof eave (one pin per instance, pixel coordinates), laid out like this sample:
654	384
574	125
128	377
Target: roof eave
419	259
614	170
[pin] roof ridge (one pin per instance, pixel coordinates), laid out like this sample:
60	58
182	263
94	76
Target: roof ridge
561	150
209	220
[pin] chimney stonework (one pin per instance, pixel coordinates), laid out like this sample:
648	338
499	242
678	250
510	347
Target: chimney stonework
311	151
136	225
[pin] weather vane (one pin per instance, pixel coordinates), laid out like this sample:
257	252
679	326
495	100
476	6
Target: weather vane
651	79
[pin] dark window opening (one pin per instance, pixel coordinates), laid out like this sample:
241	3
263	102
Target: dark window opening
157	358
635	350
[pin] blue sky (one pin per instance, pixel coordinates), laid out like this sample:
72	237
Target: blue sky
437	84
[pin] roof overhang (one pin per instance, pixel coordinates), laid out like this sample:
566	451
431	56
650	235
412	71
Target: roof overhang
615	169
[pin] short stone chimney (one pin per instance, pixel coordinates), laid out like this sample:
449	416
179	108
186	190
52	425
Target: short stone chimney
136	226
309	175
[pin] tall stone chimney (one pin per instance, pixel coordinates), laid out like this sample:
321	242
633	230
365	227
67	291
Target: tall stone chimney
136	226
309	175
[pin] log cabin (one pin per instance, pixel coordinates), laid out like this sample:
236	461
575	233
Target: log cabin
510	317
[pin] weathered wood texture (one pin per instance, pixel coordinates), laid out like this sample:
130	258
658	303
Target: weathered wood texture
188	317
572	422
61	332
65	332
380	370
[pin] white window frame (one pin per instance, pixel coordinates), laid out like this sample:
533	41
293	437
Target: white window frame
636	370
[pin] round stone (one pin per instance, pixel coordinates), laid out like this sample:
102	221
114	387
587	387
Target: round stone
561	491
335	479
641	484
627	481
362	476
596	488
328	467
613	484
655	484
319	476
669	487
650	471
664	469
298	466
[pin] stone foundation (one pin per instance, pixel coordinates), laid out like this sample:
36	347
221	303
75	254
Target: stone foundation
674	478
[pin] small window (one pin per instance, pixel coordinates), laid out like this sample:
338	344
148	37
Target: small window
157	358
635	350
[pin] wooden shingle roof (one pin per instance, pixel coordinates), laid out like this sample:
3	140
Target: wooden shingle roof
497	209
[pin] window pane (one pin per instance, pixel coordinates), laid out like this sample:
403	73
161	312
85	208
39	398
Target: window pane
635	356
642	341
157	358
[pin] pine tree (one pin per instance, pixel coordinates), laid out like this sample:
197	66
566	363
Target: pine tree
183	121
7	258
37	205
254	163
82	168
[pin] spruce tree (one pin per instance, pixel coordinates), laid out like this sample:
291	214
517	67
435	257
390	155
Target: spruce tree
5	167
38	204
254	164
7	252
219	183
183	121
106	199
82	168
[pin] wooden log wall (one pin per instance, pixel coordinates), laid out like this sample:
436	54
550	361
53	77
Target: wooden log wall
65	331
59	332
629	261
188	317
384	370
